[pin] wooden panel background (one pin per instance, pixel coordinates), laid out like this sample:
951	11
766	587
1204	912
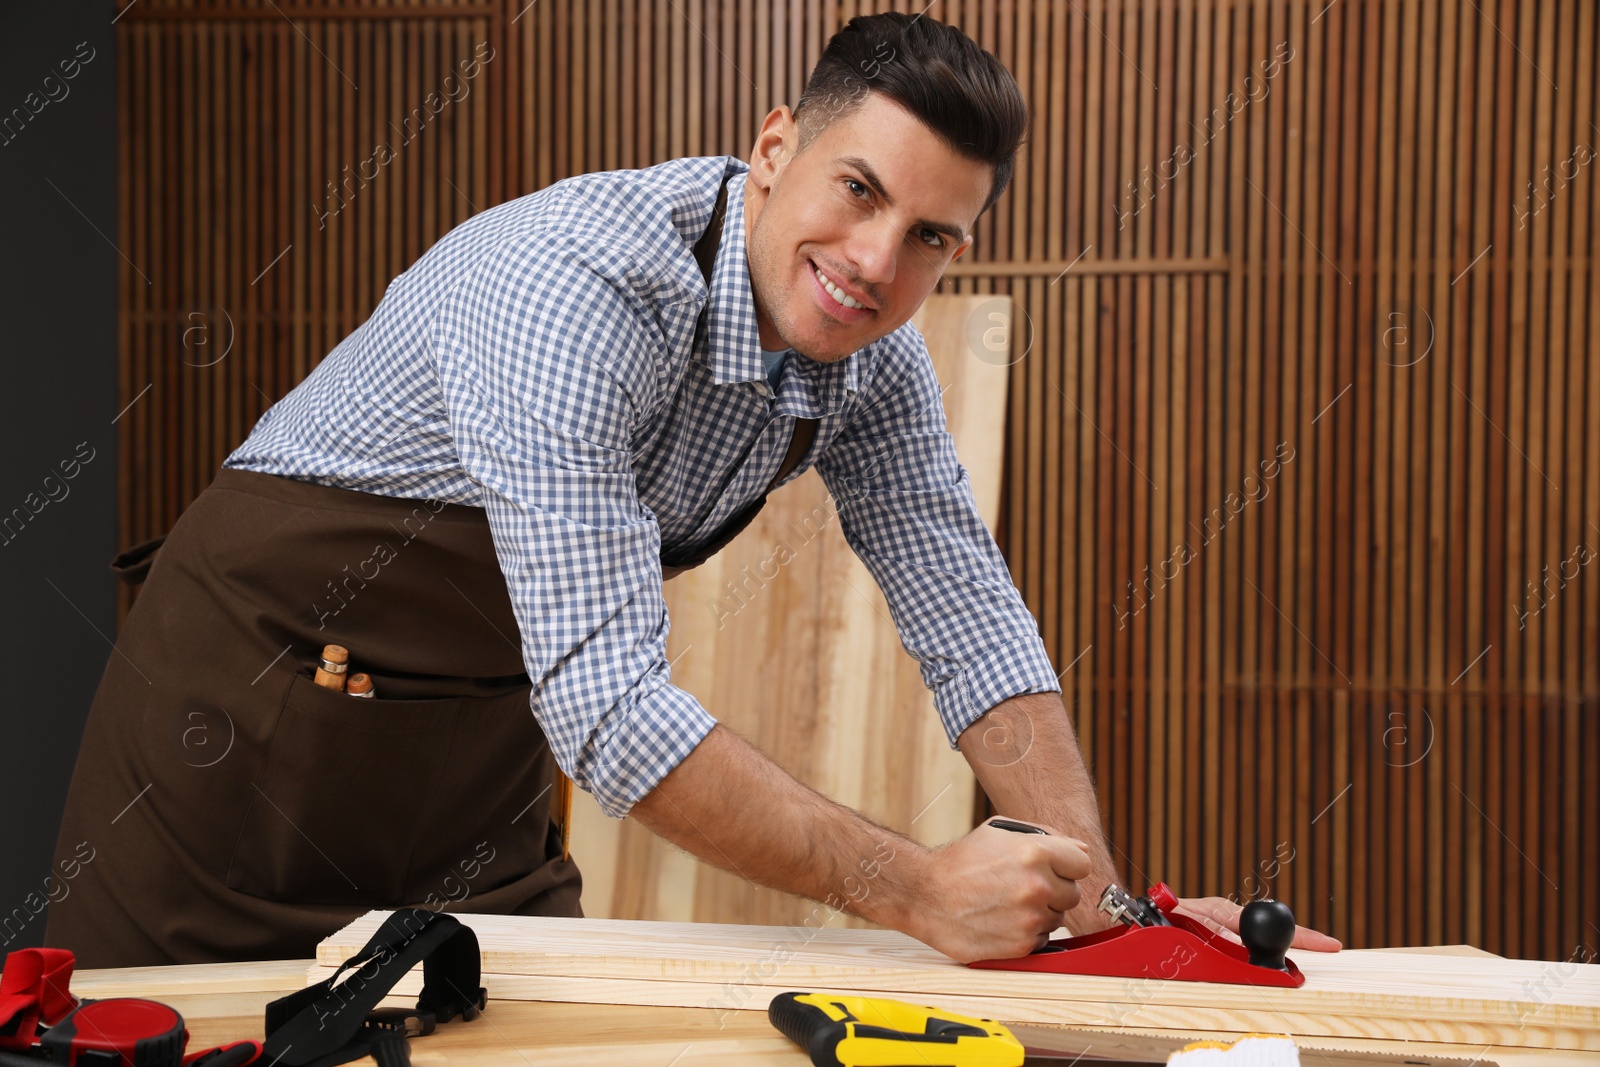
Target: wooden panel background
1366	676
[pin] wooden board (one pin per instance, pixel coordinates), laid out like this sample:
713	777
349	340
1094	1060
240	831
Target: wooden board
1410	996
225	1002
851	717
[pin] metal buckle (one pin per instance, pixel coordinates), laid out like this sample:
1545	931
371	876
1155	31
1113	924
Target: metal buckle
407	1022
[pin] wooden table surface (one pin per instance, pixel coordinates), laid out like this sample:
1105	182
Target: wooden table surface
224	1002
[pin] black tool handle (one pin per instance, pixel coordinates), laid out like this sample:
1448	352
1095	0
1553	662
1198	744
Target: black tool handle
936	1040
1267	929
809	1027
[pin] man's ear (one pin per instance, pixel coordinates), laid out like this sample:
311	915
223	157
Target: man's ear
774	147
962	248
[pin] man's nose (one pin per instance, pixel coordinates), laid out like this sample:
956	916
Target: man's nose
873	251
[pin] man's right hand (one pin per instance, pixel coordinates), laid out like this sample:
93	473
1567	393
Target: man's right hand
997	894
992	894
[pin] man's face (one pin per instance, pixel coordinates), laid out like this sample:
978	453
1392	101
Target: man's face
877	203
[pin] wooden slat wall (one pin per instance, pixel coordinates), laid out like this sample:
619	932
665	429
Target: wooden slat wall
1353	269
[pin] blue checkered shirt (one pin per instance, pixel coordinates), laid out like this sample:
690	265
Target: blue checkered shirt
540	362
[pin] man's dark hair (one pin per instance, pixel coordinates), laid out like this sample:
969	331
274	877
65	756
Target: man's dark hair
939	74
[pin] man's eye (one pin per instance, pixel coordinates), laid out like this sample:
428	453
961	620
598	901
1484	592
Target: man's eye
938	238
854	185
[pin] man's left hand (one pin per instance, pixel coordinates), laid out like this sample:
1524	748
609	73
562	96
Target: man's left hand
1221	915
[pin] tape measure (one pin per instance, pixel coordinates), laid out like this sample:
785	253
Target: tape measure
119	1032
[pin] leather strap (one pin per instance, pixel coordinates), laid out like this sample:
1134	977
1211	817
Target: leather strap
327	1024
705	249
805	430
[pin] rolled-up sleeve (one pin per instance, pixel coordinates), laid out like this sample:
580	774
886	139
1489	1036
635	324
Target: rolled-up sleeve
544	361
906	508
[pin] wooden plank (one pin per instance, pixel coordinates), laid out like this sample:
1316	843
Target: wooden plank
1023	236
1409	513
1440	630
1349	623
1091	593
217	1008
1165	812
1050	39
1587	284
1135	303
1193	191
1294	402
191	979
853	719
1207	236
1119	448
1413	996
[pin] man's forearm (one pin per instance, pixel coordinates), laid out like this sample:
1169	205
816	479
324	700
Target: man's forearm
731	806
1026	756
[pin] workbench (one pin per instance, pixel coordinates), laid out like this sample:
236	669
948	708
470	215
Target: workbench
224	1002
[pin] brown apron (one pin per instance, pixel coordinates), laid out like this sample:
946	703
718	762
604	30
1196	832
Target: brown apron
224	807
231	809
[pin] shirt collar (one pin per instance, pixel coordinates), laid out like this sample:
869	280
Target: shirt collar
733	337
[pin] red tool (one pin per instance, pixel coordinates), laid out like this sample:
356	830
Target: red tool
1156	942
1176	948
119	1031
40	1020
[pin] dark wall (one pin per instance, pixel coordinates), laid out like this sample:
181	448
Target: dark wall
58	397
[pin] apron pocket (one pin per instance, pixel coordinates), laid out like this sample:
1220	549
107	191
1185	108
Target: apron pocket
492	807
346	793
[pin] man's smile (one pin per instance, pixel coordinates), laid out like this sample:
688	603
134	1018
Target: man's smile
842	303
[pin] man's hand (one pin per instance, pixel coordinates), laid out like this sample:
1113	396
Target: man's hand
995	894
1221	915
992	894
1026	757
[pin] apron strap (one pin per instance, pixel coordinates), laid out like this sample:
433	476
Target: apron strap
805	430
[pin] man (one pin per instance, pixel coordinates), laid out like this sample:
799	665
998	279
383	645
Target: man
566	399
